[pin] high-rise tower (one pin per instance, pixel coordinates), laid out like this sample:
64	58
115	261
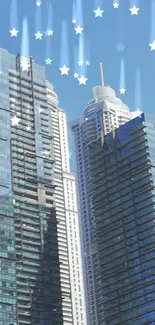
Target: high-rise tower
123	204
35	286
102	115
66	208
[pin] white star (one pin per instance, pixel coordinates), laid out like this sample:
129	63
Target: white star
50	32
25	64
64	70
98	12
152	45
82	80
38	3
122	91
38	35
120	47
80	63
76	75
87	63
15	120
134	10
14	32
48	61
116	5
28	128
74	21
78	30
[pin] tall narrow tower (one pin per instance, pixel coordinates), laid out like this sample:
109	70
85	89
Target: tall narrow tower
68	227
102	115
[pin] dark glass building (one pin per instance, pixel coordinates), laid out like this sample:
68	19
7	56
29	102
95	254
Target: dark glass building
30	288
123	204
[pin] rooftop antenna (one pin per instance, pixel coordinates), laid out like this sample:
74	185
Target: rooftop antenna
101	71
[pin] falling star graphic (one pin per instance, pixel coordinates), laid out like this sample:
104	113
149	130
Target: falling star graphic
98	8
134	8
14	18
14	32
120	38
116	4
38	24
48	61
120	47
122	78
82	80
98	12
82	69
87	52
38	35
64	51
74	13
80	63
48	42
78	30
25	46
38	3
76	75
79	14
49	30
152	32
138	95
64	70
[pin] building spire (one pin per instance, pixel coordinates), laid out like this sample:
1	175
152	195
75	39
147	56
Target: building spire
101	72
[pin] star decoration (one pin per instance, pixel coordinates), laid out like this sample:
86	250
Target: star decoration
116	5
82	80
78	30
25	64
120	47
14	32
76	75
50	32
152	45
28	128
80	63
38	35
48	61
134	10
38	3
74	21
64	70
98	12
15	120
122	91
87	63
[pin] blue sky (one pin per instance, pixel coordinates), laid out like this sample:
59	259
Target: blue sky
102	34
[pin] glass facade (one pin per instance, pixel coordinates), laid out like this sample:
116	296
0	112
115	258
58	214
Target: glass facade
30	291
123	204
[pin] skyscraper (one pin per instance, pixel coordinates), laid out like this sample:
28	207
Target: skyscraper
103	114
35	285
123	204
66	208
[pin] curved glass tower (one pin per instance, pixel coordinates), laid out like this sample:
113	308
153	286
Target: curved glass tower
103	114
